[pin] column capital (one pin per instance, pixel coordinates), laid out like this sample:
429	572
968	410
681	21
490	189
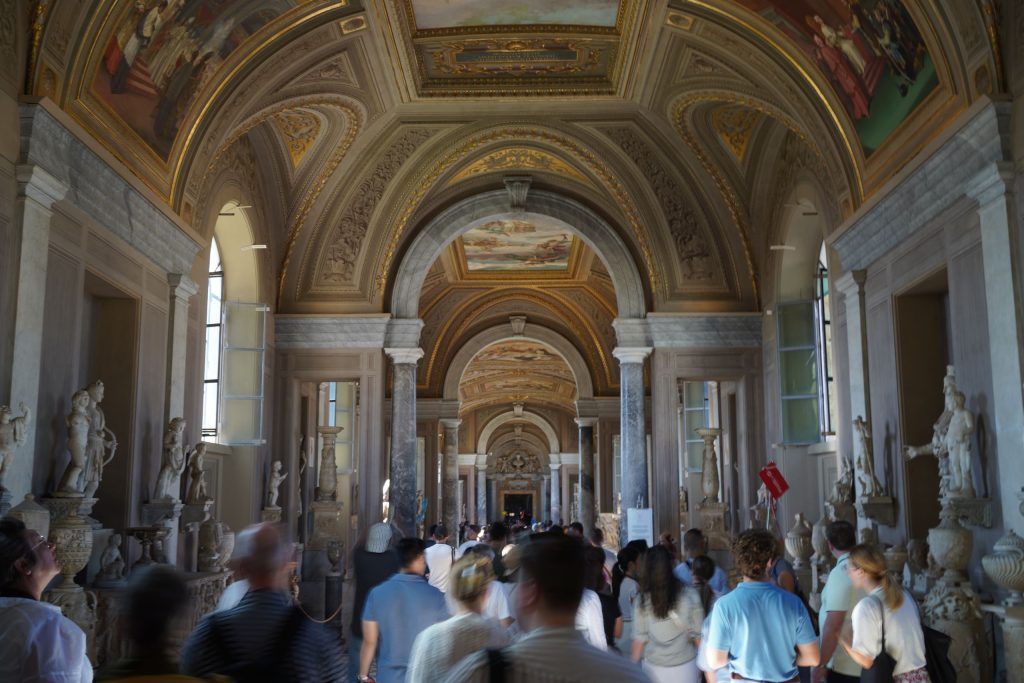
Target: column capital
40	185
992	182
182	286
403	356
585	421
632	354
450	423
481	468
555	466
852	282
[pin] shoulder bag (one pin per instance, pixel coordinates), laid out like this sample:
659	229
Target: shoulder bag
882	669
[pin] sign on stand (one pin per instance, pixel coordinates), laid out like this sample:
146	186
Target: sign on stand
640	525
776	485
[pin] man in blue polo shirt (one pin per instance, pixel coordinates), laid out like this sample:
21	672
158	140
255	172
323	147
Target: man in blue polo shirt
761	632
695	544
396	612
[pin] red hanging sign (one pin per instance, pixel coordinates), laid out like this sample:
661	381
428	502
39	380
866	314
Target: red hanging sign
773	479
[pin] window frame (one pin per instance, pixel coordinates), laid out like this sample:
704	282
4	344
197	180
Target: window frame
216	273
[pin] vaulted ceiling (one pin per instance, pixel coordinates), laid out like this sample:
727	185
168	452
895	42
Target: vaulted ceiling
346	125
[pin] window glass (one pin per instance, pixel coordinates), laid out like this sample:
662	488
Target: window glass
212	347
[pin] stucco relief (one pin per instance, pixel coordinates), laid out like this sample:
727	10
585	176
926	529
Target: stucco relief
337	266
697	256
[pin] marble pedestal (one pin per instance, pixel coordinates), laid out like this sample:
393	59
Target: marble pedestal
881	509
164	513
976	511
326	523
72	535
271	515
713	515
332	601
192	517
1012	622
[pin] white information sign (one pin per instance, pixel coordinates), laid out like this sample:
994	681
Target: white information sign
640	525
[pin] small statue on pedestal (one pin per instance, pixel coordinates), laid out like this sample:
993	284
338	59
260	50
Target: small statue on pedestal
196	493
13	432
958	448
78	442
111	562
168	483
867	483
100	450
274	483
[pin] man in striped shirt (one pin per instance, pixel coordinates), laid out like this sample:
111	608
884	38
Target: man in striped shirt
264	637
553	651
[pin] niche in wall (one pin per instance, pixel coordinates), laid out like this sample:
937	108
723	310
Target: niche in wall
922	349
110	328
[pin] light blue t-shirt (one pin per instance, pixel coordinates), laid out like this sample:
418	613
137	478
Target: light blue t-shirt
719	584
402	606
760	625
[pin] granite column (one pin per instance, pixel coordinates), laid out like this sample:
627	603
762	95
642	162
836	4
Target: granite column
403	437
586	441
556	494
450	479
481	494
632	432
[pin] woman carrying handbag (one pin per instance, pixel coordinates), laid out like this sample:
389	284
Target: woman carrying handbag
888	641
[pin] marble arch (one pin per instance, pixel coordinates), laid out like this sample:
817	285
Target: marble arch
499	333
504	418
464	215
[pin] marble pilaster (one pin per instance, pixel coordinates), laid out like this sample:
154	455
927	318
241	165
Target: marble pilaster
403	437
481	494
182	288
23	264
450	479
1000	245
556	493
633	430
586	441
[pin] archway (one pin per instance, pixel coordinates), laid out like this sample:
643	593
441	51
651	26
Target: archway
513	416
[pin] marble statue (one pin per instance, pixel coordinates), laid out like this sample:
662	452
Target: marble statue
196	492
100	450
78	441
937	447
763	504
13	432
842	490
867	483
168	483
111	561
276	477
958	449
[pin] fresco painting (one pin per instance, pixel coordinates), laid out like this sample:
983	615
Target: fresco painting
870	50
431	14
164	52
515	245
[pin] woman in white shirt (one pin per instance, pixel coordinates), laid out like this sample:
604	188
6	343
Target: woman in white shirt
626	590
886	605
37	643
440	647
667	622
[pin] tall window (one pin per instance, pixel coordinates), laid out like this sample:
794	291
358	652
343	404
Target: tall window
826	384
700	409
211	364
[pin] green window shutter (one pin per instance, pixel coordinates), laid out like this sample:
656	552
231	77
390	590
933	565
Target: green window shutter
241	395
798	372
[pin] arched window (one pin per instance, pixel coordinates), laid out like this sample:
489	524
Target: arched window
211	361
823	318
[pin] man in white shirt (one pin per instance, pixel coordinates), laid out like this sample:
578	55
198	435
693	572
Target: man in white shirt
590	620
440	557
472	539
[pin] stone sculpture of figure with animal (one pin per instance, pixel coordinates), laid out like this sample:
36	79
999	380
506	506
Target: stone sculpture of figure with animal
867	482
78	443
168	483
101	449
13	433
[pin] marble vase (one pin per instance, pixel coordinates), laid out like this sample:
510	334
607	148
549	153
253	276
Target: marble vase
798	542
896	559
1005	566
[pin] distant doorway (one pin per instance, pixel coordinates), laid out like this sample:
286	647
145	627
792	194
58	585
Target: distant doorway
516	503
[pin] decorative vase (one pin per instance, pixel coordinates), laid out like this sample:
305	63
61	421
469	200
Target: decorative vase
950	544
72	539
798	542
896	559
1005	566
226	545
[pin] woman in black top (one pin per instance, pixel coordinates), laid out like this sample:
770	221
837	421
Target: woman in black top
595	581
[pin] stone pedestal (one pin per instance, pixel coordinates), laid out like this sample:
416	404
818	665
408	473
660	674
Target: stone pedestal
713	523
100	538
271	515
332	601
976	511
208	555
326	523
880	509
192	517
1011	620
165	514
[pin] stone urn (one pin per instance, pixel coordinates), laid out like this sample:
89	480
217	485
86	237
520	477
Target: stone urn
896	559
1005	566
950	544
798	542
72	538
226	545
210	538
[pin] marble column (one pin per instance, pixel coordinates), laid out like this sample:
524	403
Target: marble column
182	288
403	437
450	479
481	494
586	441
1000	248
556	494
492	498
545	496
632	432
23	265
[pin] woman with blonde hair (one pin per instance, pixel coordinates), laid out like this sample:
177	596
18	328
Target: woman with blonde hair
886	622
440	647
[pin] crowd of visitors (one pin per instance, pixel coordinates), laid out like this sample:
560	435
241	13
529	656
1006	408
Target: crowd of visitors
526	603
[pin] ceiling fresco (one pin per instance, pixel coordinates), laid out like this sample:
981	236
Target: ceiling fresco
517	370
433	14
516	245
871	51
163	53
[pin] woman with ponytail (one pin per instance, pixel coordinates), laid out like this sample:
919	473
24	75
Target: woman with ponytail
886	621
626	588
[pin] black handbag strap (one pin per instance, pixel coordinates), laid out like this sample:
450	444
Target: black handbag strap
496	664
881	606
